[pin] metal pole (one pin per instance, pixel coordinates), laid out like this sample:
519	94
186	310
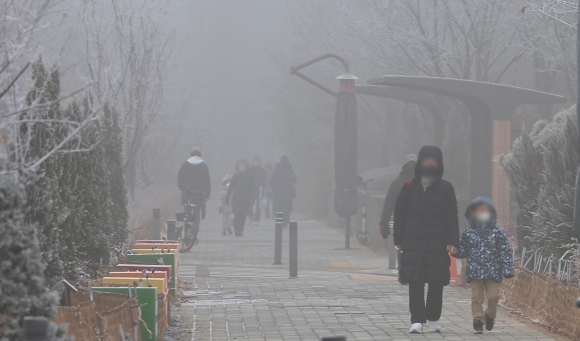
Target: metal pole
171	230
577	191
278	238
347	234
293	252
156	224
393	252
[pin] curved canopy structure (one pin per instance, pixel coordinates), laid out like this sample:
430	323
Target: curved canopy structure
486	102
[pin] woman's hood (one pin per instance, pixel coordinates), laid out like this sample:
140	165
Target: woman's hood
430	151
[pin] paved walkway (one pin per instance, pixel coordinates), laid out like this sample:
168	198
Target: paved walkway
237	294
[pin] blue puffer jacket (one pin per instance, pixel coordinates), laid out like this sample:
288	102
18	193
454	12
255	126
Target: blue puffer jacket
488	253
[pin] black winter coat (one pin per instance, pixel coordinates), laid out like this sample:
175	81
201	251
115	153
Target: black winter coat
242	192
283	180
408	172
193	180
259	175
425	223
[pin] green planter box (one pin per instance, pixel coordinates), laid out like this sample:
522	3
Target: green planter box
147	298
168	259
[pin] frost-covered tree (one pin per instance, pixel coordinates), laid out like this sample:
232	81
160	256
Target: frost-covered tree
112	144
23	290
542	170
41	132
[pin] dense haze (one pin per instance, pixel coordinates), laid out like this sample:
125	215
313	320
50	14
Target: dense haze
226	86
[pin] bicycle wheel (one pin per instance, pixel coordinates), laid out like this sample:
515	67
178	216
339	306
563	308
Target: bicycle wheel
187	239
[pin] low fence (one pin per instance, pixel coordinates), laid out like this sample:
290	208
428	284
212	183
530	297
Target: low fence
544	299
95	320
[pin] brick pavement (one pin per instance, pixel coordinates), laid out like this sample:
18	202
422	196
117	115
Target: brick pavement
238	294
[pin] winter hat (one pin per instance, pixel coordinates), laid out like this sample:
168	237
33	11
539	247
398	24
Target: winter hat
410	157
478	202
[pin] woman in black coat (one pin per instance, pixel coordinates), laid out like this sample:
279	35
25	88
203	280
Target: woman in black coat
426	229
283	190
242	192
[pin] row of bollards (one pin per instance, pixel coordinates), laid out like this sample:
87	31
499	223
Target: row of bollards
292	244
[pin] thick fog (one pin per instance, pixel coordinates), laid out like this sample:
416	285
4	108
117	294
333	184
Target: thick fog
222	79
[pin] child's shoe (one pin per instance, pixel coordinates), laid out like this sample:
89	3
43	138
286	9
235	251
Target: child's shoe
478	326
489	323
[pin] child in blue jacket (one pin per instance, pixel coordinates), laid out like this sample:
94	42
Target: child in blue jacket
489	258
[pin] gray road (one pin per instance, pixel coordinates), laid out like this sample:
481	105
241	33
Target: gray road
237	294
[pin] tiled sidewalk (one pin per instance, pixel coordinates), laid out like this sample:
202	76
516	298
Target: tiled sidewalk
239	295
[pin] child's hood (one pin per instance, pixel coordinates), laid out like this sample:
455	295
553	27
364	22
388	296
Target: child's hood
479	201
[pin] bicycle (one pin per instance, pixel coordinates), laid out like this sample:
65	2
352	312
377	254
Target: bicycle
362	235
187	237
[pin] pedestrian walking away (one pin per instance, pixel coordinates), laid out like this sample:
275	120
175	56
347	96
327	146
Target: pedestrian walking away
194	182
242	195
426	230
407	173
267	193
259	175
489	258
284	192
226	210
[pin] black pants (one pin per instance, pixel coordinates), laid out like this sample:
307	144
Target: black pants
239	222
421	311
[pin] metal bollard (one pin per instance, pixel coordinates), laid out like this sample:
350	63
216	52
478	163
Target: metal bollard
393	252
293	252
278	238
156	224
347	234
35	328
171	230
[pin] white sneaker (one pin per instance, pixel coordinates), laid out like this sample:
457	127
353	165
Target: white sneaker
434	326
416	328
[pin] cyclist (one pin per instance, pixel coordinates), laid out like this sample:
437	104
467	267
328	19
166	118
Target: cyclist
194	182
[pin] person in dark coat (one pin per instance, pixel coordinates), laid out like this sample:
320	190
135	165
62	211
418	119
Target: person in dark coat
195	185
426	229
267	199
283	190
242	192
407	173
259	175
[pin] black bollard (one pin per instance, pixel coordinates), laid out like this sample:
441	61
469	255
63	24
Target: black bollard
278	238
35	328
347	234
334	338
293	252
156	224
171	230
393	253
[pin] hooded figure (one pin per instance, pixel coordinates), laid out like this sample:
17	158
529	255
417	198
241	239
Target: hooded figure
425	228
489	258
407	173
486	247
284	192
194	182
242	191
